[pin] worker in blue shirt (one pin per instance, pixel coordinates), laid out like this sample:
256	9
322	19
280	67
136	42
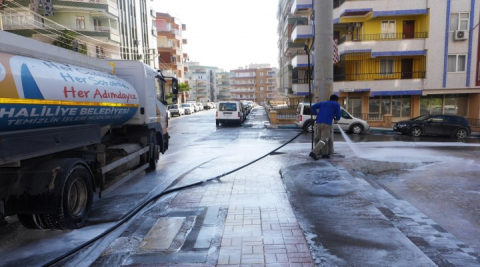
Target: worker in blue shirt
326	111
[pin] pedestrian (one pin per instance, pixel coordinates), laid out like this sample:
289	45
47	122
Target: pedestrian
326	111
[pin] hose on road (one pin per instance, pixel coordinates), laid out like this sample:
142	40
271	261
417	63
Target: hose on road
137	209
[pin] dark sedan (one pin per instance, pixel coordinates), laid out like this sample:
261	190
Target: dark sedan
451	125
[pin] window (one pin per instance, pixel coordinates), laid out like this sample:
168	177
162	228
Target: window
80	22
456	63
388	29
354	106
386	66
459	21
397	106
261	88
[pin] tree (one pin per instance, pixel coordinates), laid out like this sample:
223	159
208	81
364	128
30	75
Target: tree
183	87
68	40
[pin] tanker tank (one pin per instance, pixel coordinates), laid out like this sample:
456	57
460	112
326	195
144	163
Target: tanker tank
37	93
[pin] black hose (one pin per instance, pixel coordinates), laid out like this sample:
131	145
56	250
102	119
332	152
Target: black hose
146	202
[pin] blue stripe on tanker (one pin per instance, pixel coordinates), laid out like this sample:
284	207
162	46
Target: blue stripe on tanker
30	87
22	117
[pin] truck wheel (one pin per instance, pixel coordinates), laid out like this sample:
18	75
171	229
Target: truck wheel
75	201
31	221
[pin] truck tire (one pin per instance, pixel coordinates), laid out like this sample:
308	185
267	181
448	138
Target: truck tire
75	201
31	221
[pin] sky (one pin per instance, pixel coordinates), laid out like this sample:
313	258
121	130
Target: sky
227	34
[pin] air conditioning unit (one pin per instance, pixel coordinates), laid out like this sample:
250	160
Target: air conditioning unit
460	35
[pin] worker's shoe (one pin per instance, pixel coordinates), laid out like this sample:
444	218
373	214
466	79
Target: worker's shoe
312	155
325	156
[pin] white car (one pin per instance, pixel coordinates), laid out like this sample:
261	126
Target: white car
200	106
348	123
189	108
176	110
230	111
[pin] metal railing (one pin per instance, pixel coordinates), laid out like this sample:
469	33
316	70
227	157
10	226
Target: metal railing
379	76
381	37
368	116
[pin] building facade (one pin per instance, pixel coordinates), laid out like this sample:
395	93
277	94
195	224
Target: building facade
223	86
171	56
399	59
103	28
202	81
256	83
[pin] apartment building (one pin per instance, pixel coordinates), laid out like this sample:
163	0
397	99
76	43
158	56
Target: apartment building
397	59
295	31
202	81
104	28
170	42
257	82
223	86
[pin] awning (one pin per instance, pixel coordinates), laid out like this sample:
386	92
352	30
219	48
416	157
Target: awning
390	93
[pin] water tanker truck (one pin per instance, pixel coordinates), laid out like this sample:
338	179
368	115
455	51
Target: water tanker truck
72	126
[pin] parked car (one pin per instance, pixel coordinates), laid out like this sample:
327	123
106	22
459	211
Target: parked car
199	106
194	106
176	110
189	108
209	106
248	106
348	123
230	111
452	125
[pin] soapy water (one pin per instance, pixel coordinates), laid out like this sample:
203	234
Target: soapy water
352	146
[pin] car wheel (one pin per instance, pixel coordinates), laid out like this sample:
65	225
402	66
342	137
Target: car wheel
356	129
308	125
416	131
461	133
217	123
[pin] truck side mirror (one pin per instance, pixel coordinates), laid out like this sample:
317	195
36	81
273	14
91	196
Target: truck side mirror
174	86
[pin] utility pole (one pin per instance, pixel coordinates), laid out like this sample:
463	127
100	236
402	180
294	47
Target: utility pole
323	46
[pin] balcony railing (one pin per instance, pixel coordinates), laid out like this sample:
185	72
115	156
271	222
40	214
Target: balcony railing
300	80
381	36
379	76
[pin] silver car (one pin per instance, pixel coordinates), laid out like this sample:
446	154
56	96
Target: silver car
348	123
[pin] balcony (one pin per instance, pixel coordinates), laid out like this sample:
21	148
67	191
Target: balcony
300	86
291	47
301	5
367	8
302	33
394	48
379	76
301	60
382	37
